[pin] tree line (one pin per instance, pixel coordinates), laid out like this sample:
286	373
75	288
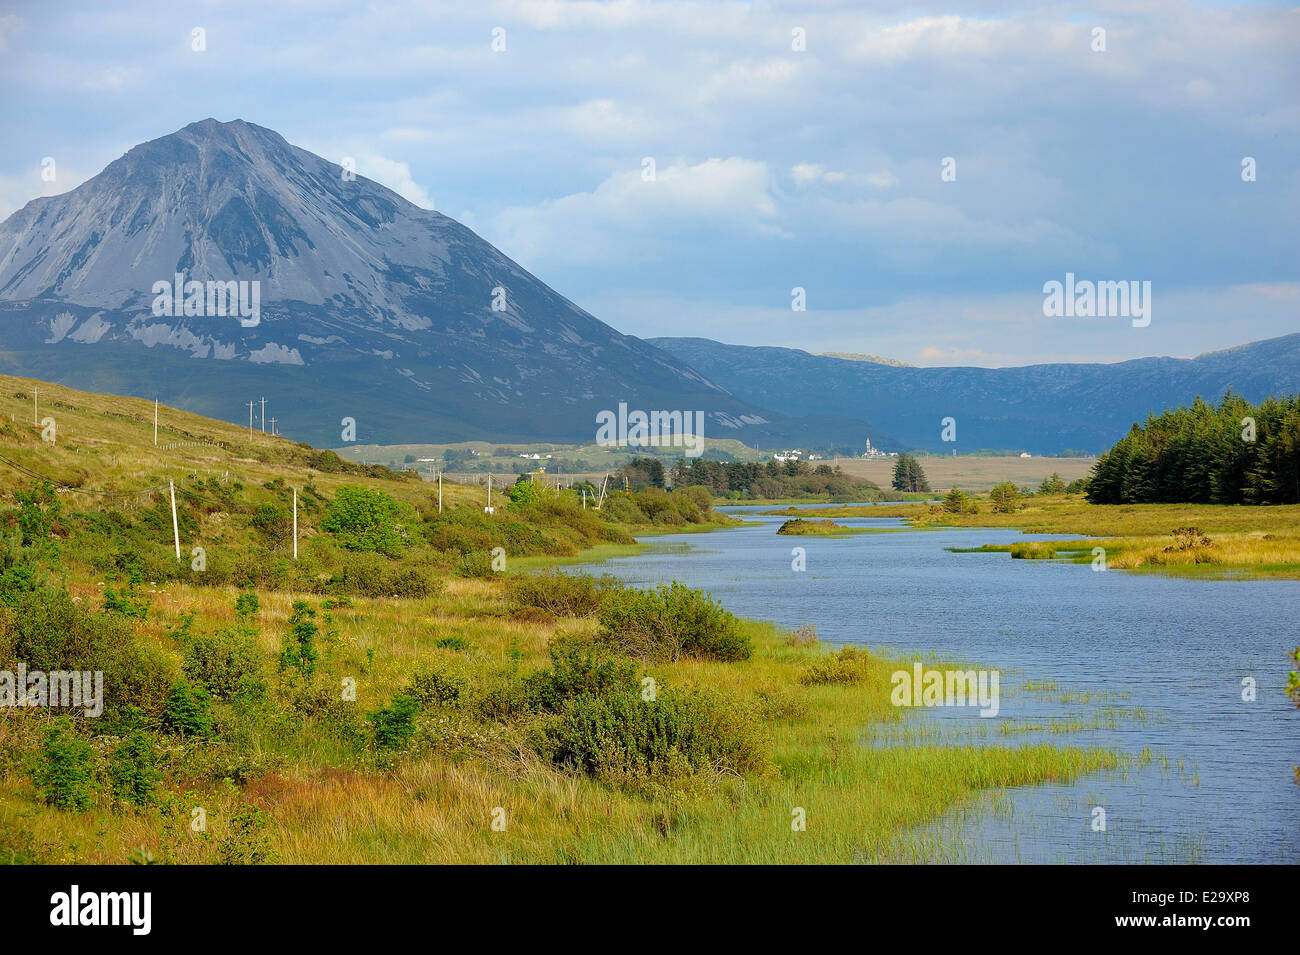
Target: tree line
765	480
1233	453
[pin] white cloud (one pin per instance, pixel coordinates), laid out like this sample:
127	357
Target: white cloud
627	215
17	191
395	175
9	25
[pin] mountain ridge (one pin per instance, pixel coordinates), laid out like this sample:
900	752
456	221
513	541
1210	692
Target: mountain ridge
1042	408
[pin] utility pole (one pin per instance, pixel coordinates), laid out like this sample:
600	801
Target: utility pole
36	415
439	492
264	416
250	420
155	422
273	427
176	533
295	523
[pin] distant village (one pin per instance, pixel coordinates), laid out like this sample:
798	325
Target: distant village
798	454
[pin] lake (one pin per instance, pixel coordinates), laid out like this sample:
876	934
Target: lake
1131	662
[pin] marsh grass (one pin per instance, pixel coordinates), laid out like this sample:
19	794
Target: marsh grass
1233	541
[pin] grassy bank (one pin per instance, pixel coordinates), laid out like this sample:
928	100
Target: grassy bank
1204	540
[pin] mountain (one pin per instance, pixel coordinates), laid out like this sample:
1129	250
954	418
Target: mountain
369	306
1039	408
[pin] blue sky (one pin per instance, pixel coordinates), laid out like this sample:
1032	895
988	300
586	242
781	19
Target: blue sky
774	167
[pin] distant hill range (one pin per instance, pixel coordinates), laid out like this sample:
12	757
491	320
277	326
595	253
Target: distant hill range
373	309
1040	408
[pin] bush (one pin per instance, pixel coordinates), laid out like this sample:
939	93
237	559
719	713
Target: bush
128	601
227	664
804	635
578	668
49	631
299	647
133	770
370	575
621	737
16	578
671	621
366	520
848	667
188	711
246	605
64	771
476	563
435	686
565	595
394	725
273	521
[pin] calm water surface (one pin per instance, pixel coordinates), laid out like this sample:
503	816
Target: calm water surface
1129	662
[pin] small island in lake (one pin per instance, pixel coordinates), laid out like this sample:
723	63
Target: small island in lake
823	527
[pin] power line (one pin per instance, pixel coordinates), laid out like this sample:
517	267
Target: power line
72	487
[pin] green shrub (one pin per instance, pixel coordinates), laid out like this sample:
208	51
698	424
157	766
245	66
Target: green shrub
394	725
565	595
39	509
370	575
227	663
578	668
435	686
256	567
299	647
671	621
500	695
621	737
127	601
847	667
188	712
273	521
133	769
16	578
64	770
49	631
475	564
622	509
452	642
409	582
246	605
364	519
245	841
